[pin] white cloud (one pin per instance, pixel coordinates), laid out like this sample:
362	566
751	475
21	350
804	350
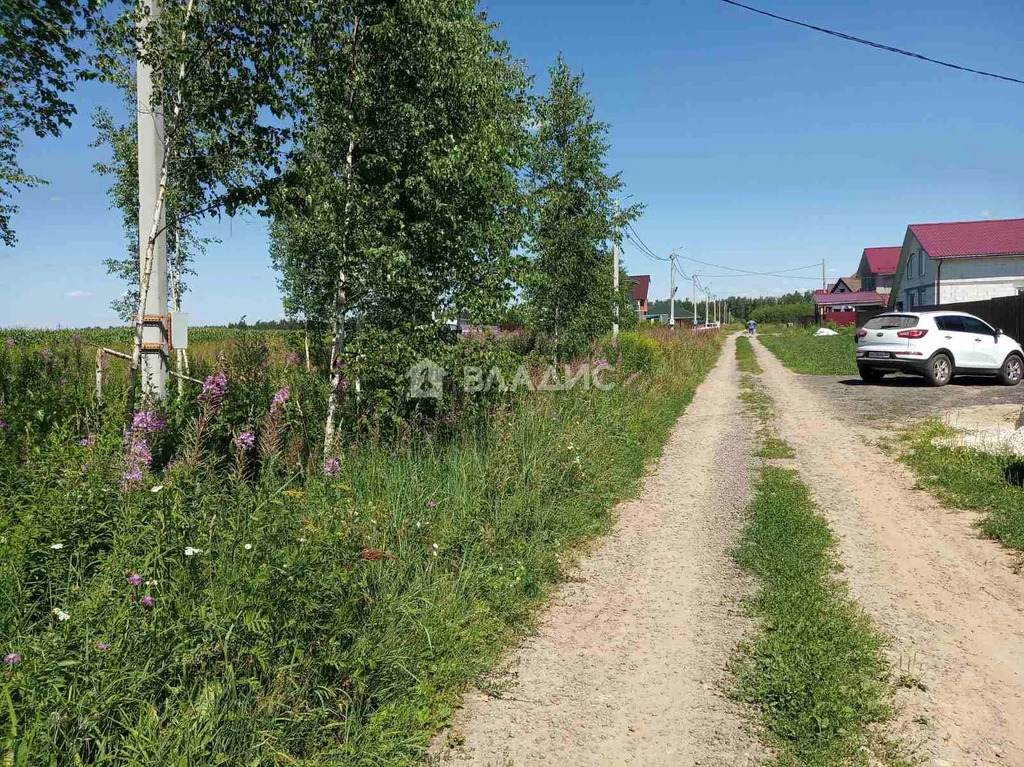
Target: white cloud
55	198
78	294
986	214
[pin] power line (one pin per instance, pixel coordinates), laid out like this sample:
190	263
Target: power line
749	273
879	46
637	240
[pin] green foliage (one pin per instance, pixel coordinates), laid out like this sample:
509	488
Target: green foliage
970	479
740	307
746	361
815	669
635	352
569	285
325	619
38	58
803	352
782	312
405	206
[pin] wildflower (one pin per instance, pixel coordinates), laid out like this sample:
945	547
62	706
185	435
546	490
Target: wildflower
156	488
213	389
191	551
102	646
302	540
10	342
436	548
46	353
57	546
332	467
12	658
148	601
3	426
247	547
135	579
292	358
280	399
146	421
344	385
431	504
293	493
61	615
88	440
151	582
245	440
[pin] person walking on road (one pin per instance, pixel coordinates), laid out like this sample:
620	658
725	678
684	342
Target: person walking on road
750	327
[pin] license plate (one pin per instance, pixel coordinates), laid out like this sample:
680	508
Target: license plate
878	355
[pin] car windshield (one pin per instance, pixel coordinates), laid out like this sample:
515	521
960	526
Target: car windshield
890	321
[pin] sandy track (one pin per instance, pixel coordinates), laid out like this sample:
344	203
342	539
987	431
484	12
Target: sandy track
950	599
629	660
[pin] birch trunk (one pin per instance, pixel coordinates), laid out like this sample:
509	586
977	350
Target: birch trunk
340	293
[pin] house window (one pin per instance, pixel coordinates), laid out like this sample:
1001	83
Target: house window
910	299
910	266
920	258
868	283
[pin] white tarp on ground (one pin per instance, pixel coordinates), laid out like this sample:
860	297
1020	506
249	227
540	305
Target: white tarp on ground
825	332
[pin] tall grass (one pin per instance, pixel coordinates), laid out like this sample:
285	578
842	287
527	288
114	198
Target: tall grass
970	479
281	613
803	352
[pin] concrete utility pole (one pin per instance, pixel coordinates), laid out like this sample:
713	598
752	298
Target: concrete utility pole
695	302
615	274
150	135
672	289
707	305
823	285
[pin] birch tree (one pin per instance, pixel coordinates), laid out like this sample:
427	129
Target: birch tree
569	287
39	57
408	207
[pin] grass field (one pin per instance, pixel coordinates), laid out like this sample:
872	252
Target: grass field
248	603
803	352
815	669
969	479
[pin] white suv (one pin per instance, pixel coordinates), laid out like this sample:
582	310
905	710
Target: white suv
937	345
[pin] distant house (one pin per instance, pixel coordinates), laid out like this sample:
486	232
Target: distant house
959	262
839	303
641	287
877	269
844	285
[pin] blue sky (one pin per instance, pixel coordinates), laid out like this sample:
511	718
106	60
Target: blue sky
753	143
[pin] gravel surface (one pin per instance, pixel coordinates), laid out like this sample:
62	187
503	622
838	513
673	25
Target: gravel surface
901	397
952	601
630	659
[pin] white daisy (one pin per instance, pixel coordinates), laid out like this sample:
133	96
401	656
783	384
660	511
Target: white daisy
57	546
156	488
61	615
191	551
247	547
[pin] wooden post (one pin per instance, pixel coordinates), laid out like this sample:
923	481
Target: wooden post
99	376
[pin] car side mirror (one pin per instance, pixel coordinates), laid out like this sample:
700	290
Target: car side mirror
999	332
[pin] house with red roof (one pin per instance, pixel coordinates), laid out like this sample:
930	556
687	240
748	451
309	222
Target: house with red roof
641	287
878	268
958	262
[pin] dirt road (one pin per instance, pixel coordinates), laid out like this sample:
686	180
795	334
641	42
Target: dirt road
629	660
951	600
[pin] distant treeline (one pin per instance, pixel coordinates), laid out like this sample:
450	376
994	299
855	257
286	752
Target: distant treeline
739	307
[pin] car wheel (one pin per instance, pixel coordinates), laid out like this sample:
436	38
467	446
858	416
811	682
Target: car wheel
940	370
871	375
1012	371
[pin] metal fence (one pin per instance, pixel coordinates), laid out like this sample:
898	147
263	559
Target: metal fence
1006	313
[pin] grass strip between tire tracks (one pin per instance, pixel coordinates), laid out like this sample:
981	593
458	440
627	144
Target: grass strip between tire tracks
815	669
